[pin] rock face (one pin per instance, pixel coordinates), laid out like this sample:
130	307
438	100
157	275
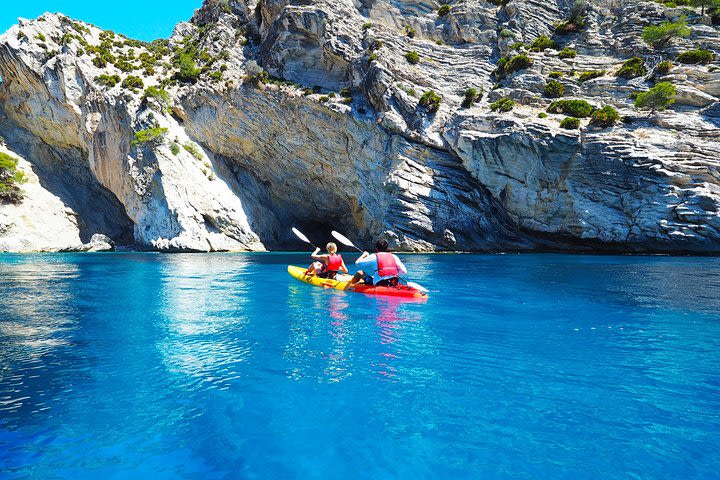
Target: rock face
98	243
280	112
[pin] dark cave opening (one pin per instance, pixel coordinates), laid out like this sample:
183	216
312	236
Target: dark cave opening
318	232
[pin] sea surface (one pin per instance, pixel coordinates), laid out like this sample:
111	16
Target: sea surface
220	366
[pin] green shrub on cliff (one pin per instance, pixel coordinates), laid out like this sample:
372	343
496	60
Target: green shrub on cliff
606	116
124	66
567	53
188	71
10	179
132	82
542	43
712	5
193	150
505	104
108	80
590	74
658	97
153	135
695	57
663	67
633	68
443	10
573	108
412	57
575	20
660	35
570	123
508	65
158	94
431	101
472	95
554	89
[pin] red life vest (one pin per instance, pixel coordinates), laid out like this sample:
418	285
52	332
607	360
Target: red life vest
334	262
386	265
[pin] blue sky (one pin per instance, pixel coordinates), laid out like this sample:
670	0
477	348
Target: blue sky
138	19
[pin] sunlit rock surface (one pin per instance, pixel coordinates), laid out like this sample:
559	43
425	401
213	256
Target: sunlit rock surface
341	141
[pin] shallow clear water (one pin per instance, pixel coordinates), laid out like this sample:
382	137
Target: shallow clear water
223	366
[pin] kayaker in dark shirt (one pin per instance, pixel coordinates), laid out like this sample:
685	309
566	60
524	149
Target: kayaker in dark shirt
328	265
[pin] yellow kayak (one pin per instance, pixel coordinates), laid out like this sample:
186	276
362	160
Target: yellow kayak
342	284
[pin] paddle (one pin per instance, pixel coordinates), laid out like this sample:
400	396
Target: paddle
346	241
302	237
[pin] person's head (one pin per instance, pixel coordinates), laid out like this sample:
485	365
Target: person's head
331	247
381	245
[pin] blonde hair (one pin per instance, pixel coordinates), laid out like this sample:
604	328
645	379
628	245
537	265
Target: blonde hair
331	247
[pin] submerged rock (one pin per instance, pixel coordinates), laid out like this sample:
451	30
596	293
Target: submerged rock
309	114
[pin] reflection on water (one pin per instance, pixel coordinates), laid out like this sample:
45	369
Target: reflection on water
340	356
202	307
36	318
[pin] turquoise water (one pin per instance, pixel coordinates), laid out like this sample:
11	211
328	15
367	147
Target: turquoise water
223	366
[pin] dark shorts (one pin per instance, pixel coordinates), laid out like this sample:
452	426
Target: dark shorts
327	274
388	282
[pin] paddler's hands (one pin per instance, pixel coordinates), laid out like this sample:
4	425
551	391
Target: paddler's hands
317	250
364	255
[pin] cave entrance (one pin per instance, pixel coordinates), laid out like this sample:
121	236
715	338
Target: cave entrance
320	234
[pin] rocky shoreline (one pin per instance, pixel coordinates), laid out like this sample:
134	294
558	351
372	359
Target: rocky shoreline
257	116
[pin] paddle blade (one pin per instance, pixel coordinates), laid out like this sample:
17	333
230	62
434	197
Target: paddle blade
342	239
300	235
418	287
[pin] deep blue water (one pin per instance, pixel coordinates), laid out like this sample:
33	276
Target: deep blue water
222	366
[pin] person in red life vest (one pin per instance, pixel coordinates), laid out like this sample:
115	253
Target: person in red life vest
326	266
381	268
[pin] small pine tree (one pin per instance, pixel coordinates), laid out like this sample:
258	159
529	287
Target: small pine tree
661	35
703	4
658	97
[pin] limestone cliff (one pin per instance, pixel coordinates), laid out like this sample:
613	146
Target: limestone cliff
316	113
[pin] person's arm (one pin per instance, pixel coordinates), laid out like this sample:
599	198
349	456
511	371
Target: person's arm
343	267
401	267
367	262
315	255
362	258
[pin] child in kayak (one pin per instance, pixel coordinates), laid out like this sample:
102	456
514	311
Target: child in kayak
381	268
326	266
